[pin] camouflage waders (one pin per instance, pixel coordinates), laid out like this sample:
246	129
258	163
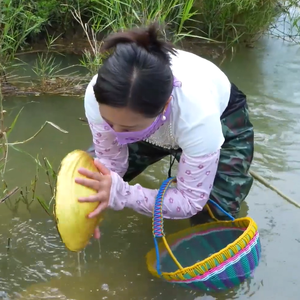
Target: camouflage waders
232	182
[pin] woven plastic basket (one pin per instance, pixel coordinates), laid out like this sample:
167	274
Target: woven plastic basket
212	257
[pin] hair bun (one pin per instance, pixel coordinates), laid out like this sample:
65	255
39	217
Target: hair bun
146	38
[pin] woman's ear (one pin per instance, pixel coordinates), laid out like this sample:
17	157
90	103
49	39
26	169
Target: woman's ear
168	102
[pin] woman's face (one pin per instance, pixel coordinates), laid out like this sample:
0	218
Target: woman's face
124	119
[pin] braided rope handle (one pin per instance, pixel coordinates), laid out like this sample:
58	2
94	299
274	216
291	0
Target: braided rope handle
158	220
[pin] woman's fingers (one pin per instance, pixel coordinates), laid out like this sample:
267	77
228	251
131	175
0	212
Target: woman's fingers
98	210
101	167
89	174
92	198
93	184
97	182
97	233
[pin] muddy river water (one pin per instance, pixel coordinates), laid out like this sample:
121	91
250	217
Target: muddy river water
38	266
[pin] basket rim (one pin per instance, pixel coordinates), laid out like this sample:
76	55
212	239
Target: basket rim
216	270
247	235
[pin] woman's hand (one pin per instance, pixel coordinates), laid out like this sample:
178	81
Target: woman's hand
100	182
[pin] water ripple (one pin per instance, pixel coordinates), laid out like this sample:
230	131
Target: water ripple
36	254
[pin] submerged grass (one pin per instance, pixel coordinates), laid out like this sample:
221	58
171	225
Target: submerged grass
12	197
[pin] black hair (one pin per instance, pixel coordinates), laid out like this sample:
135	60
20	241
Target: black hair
138	73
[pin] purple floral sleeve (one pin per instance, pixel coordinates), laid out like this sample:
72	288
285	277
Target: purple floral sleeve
194	183
108	152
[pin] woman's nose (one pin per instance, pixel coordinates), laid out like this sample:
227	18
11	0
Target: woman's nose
117	128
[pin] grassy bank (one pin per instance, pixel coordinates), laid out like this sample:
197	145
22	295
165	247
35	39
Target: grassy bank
48	26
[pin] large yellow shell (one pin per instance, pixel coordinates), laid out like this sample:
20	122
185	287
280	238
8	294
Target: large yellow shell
74	227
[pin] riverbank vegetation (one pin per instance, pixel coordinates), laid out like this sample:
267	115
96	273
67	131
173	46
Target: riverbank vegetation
50	28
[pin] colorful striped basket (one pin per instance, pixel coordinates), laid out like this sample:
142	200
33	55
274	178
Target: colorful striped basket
212	257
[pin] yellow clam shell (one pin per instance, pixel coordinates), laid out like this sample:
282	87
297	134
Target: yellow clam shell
74	228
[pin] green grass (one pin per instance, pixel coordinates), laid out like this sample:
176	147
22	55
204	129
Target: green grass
216	21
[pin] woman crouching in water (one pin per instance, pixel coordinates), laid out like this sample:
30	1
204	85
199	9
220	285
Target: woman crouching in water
150	100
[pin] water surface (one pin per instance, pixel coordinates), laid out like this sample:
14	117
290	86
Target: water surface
39	267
